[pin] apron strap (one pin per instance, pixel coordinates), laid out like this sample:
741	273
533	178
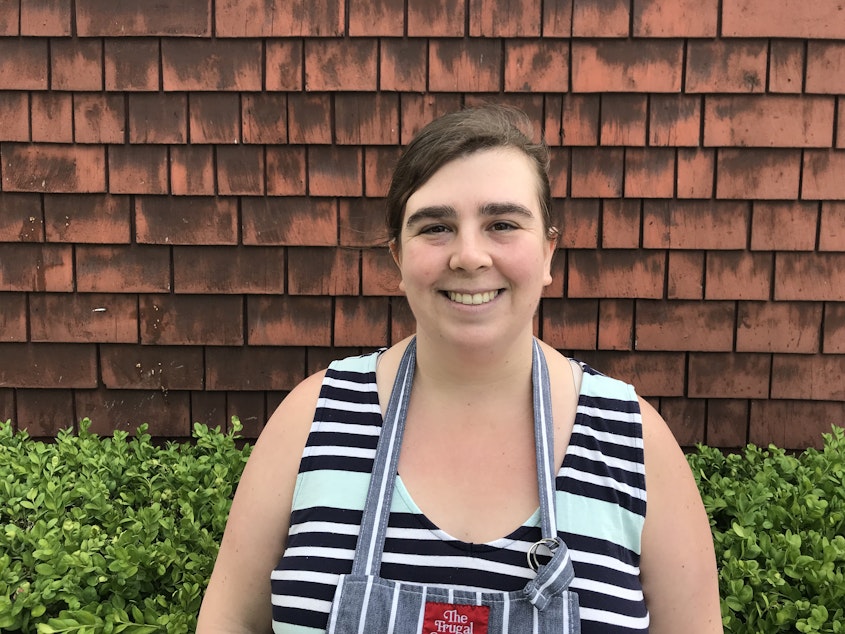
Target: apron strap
544	438
380	494
373	530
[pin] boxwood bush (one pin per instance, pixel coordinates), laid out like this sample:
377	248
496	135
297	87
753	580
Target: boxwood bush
778	523
111	534
119	534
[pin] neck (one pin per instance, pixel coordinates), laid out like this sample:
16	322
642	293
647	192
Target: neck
463	370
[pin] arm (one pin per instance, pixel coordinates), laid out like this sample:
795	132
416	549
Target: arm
678	564
238	595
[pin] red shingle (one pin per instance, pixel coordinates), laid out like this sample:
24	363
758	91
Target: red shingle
783	18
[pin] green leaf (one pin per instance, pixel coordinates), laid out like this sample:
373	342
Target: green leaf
741	530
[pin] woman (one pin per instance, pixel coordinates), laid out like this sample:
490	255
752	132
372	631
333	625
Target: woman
493	502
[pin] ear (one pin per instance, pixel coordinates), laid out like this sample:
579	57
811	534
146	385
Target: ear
552	239
394	251
393	245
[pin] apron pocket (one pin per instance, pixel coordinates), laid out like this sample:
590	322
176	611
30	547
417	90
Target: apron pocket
372	605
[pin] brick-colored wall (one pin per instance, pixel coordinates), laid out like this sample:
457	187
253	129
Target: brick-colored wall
190	198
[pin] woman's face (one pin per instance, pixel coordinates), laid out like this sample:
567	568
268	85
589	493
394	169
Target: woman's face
473	251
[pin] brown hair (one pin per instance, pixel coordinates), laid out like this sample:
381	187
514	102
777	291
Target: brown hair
458	134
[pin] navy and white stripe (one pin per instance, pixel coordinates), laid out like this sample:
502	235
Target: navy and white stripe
600	503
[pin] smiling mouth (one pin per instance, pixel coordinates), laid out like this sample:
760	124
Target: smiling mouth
472	299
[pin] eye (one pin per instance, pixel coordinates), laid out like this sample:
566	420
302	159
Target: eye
503	225
432	229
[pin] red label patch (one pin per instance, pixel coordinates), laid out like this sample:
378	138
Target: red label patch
451	618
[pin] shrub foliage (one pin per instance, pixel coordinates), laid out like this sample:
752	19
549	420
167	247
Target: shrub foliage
778	522
101	535
111	534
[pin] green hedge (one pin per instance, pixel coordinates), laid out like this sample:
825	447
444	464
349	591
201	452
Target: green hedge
120	535
111	534
778	523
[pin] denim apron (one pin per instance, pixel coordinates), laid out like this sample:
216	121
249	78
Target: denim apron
364	603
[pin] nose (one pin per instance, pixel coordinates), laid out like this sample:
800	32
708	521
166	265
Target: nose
469	252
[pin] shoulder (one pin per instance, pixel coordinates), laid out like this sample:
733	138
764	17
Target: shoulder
276	454
614	392
387	367
667	472
562	369
256	530
678	562
297	409
665	462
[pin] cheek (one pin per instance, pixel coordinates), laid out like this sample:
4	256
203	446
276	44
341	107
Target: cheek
536	270
415	270
529	263
418	275
417	257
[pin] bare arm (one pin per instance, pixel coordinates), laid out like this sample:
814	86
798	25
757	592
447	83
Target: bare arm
238	596
678	565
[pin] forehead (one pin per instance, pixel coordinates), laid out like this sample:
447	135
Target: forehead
487	176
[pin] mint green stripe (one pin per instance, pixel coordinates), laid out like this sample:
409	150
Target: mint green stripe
287	628
577	514
595	518
363	364
336	489
607	387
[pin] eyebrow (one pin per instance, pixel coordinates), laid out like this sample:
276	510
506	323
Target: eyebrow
505	209
441	212
435	212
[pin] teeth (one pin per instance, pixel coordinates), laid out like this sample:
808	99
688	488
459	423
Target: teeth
473	298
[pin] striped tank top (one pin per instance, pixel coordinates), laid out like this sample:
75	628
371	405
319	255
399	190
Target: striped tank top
600	506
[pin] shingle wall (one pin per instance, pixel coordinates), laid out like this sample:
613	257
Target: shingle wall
190	198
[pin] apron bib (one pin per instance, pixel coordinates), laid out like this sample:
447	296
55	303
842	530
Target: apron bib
364	603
